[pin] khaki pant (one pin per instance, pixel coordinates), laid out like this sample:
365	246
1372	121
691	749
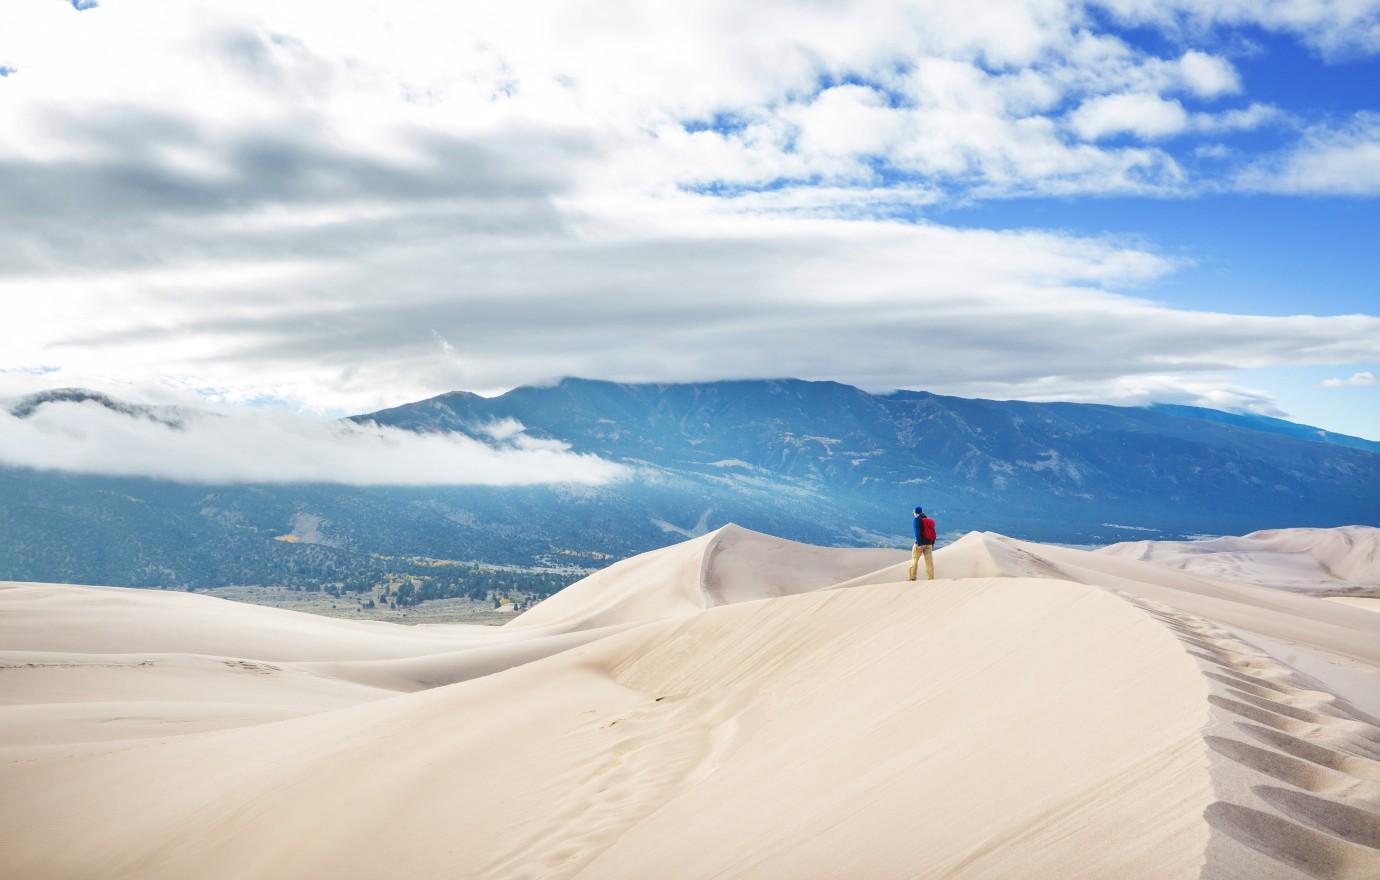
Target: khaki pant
928	551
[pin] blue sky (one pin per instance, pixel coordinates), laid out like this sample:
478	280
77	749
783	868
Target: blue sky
337	208
1248	253
1255	253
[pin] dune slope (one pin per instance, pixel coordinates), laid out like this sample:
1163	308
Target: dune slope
730	564
734	706
813	735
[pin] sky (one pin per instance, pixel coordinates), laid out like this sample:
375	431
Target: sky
319	209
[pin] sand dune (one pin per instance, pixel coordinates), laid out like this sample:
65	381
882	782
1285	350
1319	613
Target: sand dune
1304	560
728	565
47	617
50	698
1356	602
734	706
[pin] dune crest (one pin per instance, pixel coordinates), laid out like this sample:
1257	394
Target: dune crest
733	706
730	564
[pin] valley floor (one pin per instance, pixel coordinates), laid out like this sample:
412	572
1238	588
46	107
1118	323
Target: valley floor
349	607
734	706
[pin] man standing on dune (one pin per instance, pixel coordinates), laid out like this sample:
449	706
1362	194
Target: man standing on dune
924	544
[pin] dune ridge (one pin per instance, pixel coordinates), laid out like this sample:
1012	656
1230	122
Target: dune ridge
1295	765
735	706
730	564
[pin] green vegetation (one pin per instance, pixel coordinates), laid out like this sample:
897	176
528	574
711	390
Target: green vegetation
452	592
405	583
458	610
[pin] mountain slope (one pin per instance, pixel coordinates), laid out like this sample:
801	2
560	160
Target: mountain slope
814	461
1050	470
1270	425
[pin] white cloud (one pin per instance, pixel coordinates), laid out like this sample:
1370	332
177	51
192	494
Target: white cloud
959	95
1239	119
675	296
1364	377
1335	28
1208	75
1213	151
502	429
1147	116
1214	391
349	206
243	446
1152	116
847	120
1341	160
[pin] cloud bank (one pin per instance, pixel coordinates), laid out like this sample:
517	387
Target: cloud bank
342	207
268	447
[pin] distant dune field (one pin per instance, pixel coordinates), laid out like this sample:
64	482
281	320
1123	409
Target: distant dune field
733	706
1324	562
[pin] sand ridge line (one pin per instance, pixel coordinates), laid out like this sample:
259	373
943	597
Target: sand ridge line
52	664
1294	766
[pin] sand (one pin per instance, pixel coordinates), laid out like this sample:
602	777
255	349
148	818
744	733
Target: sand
733	706
1366	604
1312	561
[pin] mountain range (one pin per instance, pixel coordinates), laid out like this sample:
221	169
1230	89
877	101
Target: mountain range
815	461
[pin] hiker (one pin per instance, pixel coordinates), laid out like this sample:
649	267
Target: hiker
924	544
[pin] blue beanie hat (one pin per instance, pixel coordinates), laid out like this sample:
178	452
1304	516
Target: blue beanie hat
919	510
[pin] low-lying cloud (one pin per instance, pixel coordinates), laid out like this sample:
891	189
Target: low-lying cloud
1364	377
275	447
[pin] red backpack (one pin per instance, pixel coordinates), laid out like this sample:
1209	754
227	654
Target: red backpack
927	528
